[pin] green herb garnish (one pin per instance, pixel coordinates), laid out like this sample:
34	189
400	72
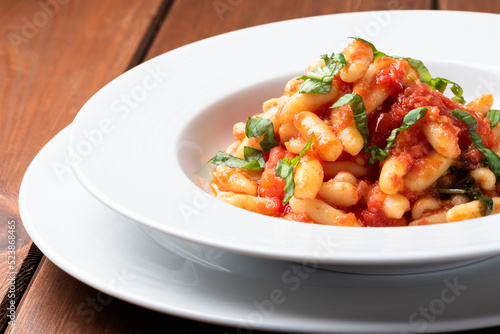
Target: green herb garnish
494	117
438	84
467	186
359	111
284	169
485	206
256	127
320	79
493	159
254	159
376	153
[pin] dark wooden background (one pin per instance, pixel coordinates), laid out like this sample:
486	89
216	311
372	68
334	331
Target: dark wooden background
52	63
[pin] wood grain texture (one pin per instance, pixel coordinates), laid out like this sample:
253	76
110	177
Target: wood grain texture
486	6
90	311
193	20
187	21
54	54
55	302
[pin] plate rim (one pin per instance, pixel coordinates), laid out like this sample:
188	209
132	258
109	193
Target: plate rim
74	268
486	249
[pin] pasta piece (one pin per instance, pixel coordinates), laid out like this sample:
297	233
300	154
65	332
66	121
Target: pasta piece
305	102
436	218
308	177
262	205
345	129
339	193
484	177
325	142
296	144
292	86
459	199
470	210
345	176
373	91
442	139
395	206
270	104
232	180
315	65
239	130
358	56
251	142
423	204
481	104
233	147
274	107
351	139
391	176
333	168
426	171
322	213
287	131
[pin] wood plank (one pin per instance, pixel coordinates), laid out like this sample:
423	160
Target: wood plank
62	297
487	6
89	311
192	20
54	54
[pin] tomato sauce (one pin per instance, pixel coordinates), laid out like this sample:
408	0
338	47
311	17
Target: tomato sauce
272	186
395	79
391	76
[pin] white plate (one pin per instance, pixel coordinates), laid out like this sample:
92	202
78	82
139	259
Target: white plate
136	144
112	254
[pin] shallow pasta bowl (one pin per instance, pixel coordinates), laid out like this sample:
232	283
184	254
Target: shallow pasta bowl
141	143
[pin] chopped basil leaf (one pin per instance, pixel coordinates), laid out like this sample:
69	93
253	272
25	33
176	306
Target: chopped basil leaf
450	191
494	117
410	118
438	84
257	127
466	186
493	159
460	172
320	79
485	206
284	169
422	71
359	111
377	154
468	183
254	159
471	194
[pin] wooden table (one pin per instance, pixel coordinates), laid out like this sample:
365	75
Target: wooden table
54	55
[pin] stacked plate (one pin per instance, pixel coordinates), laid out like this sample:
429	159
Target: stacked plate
117	198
